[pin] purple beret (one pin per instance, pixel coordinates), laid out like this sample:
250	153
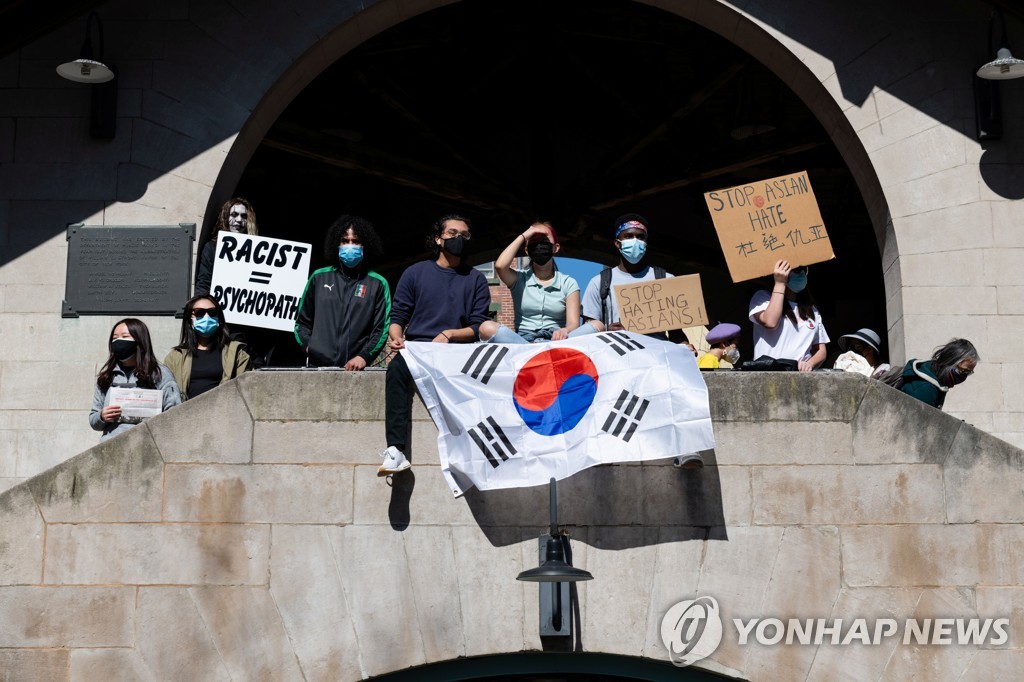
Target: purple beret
723	331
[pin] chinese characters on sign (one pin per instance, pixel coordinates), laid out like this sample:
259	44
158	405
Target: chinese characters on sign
767	221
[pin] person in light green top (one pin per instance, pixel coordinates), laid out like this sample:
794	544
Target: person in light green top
546	301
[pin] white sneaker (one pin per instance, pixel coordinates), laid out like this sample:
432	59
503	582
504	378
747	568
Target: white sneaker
691	461
394	462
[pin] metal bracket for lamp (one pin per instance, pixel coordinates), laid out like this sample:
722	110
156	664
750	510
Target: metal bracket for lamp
556	572
101	78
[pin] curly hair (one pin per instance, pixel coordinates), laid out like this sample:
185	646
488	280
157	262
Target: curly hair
225	213
437	229
363	229
147	369
189	341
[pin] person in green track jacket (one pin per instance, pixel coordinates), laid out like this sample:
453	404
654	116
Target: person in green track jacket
346	307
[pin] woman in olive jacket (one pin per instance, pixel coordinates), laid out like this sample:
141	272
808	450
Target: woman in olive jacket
207	355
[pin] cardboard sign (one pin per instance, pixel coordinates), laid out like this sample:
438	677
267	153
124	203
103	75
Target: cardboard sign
259	280
661	304
767	221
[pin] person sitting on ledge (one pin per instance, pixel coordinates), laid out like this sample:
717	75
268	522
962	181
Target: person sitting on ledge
861	350
442	300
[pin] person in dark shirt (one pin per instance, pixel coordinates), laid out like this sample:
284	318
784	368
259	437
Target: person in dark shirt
930	380
442	300
344	311
207	356
236	215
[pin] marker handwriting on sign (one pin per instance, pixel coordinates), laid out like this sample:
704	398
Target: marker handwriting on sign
648	308
264	253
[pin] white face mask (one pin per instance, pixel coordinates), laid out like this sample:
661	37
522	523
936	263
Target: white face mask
733	355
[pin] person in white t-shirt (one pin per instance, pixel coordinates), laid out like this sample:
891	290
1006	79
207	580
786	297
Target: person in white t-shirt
787	324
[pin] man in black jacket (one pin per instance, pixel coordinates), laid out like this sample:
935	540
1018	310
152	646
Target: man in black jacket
346	307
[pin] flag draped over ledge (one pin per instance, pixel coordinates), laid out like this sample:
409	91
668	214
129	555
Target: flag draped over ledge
513	416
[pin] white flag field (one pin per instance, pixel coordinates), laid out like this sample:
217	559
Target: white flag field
517	415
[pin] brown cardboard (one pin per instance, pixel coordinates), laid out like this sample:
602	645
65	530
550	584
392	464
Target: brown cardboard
661	304
766	221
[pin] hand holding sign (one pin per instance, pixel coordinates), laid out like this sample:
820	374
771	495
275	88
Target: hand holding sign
767	221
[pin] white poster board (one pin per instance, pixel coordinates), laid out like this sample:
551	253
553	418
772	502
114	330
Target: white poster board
137	403
259	280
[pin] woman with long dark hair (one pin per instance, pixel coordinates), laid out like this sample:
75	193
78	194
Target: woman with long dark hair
236	215
206	355
787	324
130	364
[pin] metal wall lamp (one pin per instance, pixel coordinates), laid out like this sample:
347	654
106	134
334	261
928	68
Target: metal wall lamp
102	78
557	572
1005	66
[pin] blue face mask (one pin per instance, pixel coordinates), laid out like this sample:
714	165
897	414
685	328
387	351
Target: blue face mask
797	282
350	255
206	326
633	250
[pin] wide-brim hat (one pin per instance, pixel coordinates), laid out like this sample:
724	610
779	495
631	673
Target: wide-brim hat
723	331
866	335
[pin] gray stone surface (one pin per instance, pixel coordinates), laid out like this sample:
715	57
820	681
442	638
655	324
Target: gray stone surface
832	495
433	582
932	662
892	427
156	554
308	589
314	396
228	438
784	396
169	624
783	442
38	665
246	627
979	471
337	442
233	493
105	665
67	617
119	480
21	538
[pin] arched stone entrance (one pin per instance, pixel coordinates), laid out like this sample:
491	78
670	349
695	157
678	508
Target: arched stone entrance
387	117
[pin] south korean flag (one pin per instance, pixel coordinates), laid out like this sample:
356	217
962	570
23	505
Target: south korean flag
518	415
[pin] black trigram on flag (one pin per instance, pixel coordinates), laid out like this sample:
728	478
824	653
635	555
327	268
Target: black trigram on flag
626	415
483	361
492	441
619	342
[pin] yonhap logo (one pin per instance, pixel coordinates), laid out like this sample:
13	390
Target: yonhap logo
691	630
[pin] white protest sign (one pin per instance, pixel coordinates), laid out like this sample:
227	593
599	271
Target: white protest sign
259	280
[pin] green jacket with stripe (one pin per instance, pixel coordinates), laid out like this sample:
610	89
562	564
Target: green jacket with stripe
342	315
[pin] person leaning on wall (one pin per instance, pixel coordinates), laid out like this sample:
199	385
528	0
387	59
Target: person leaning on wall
130	364
236	215
206	356
930	380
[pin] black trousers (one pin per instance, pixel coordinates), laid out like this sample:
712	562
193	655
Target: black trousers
398	388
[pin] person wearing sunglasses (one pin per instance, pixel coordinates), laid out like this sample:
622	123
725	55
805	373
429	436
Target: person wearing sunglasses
930	380
207	356
442	300
787	324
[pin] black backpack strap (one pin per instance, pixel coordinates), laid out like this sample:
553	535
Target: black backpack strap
659	272
606	286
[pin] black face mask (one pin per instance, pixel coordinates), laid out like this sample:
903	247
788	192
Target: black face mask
455	245
124	349
540	252
956	376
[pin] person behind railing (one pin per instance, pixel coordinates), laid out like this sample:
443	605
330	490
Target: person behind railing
600	310
861	354
442	300
722	338
930	380
346	307
130	364
206	355
236	215
545	301
787	324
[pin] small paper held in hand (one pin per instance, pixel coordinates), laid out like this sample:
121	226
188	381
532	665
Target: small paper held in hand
137	403
763	222
661	305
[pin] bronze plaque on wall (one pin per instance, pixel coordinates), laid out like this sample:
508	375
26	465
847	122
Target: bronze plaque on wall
132	270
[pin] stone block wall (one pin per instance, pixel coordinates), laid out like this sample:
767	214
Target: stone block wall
249	529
